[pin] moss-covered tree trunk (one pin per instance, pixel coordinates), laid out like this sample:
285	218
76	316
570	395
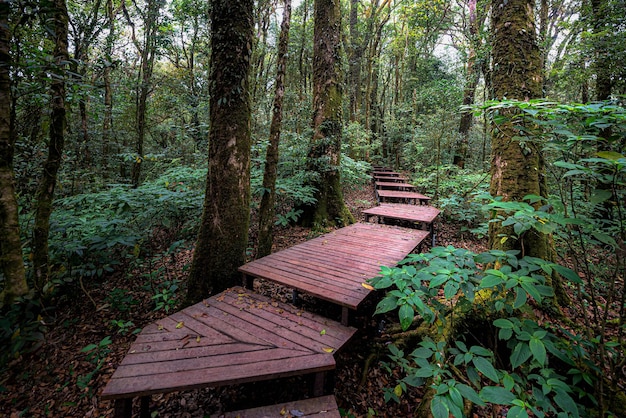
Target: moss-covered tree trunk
517	168
267	210
11	262
324	158
47	183
223	237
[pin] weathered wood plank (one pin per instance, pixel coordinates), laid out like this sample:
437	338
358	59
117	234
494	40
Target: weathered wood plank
258	339
389	195
322	407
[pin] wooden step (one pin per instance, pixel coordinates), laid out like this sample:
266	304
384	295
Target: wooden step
322	407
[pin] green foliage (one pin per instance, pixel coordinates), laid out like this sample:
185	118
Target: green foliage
96	354
21	329
445	285
166	296
89	232
121	300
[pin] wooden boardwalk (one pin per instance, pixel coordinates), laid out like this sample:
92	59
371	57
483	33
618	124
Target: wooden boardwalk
391	196
394	186
333	267
238	336
412	213
234	337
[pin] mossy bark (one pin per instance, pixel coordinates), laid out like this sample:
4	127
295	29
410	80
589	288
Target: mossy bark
11	262
267	210
517	168
223	236
47	183
324	156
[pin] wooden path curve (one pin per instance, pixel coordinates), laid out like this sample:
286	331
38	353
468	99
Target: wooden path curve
239	336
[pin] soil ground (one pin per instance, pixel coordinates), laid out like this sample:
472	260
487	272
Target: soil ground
60	379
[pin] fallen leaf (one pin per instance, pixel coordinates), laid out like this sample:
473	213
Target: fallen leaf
180	325
328	349
367	286
323	332
198	339
159	327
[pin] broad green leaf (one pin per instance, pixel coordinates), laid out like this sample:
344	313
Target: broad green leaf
450	289
470	394
422	352
520	298
406	315
486	368
490	281
538	350
517	412
610	155
438	408
520	354
568	273
566	403
389	303
480	351
455	396
503	323
497	395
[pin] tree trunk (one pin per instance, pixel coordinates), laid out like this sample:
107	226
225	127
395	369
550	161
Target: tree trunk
302	68
223	237
148	54
45	193
472	76
11	261
267	208
324	156
107	123
517	168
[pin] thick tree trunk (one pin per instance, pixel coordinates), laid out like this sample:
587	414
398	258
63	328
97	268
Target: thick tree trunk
11	261
324	156
223	237
45	193
517	168
267	208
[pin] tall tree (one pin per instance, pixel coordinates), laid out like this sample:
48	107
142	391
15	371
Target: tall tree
147	49
11	261
324	157
267	207
517	168
58	31
222	240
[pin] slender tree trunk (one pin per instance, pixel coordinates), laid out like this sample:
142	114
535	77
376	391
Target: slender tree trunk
148	54
354	60
107	123
517	168
11	261
302	67
45	193
267	208
324	156
223	237
472	75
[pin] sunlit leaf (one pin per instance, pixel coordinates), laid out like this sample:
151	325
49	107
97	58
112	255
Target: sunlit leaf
328	349
180	325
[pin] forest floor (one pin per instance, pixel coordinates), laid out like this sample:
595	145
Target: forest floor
61	379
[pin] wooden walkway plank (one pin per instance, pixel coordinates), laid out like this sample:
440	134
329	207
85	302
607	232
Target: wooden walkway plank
322	407
334	266
291	343
386	196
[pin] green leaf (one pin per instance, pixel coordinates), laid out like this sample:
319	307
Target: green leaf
497	395
568	273
450	289
389	303
520	354
490	281
480	351
469	393
610	155
486	368
520	298
538	350
406	315
503	323
566	403
517	412
455	396
422	352
438	407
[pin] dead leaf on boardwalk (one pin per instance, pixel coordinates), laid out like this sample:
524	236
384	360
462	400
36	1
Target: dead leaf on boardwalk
160	327
367	286
323	332
198	339
180	325
328	349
